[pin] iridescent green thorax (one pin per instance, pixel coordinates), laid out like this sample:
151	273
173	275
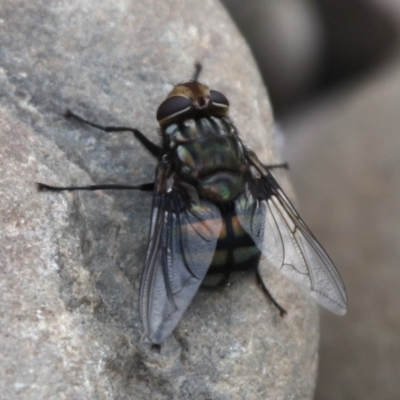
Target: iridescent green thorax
209	155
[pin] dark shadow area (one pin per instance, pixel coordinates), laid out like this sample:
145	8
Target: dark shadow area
307	48
358	39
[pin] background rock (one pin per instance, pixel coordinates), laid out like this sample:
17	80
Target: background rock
306	47
287	39
345	156
342	142
71	262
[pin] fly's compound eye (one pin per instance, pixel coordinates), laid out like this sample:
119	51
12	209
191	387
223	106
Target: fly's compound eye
217	99
173	106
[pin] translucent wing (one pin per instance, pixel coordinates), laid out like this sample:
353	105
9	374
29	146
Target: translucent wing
183	237
287	243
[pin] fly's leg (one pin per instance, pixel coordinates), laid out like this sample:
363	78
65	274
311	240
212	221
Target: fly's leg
145	187
282	311
150	146
155	150
284	165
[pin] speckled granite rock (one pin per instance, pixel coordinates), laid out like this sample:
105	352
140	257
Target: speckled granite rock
71	262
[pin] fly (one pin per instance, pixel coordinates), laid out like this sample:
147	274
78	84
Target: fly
215	209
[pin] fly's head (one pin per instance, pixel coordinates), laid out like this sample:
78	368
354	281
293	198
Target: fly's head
189	100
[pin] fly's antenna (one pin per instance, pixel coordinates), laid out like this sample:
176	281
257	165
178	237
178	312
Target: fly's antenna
197	70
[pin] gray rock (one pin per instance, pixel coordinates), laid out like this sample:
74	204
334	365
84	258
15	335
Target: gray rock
71	262
344	154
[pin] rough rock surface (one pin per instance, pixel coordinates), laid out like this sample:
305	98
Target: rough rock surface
71	262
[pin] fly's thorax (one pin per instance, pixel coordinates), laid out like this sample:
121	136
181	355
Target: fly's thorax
209	155
193	129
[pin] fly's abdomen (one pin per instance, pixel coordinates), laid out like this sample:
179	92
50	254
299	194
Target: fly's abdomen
235	248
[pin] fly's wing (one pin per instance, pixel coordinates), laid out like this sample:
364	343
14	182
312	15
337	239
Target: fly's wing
284	239
183	237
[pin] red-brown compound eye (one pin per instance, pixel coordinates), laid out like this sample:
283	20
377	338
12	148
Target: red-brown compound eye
173	106
217	99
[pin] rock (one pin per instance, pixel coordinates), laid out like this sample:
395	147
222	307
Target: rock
342	147
71	262
344	157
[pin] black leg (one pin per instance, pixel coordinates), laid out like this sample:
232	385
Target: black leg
282	311
145	187
284	165
155	150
